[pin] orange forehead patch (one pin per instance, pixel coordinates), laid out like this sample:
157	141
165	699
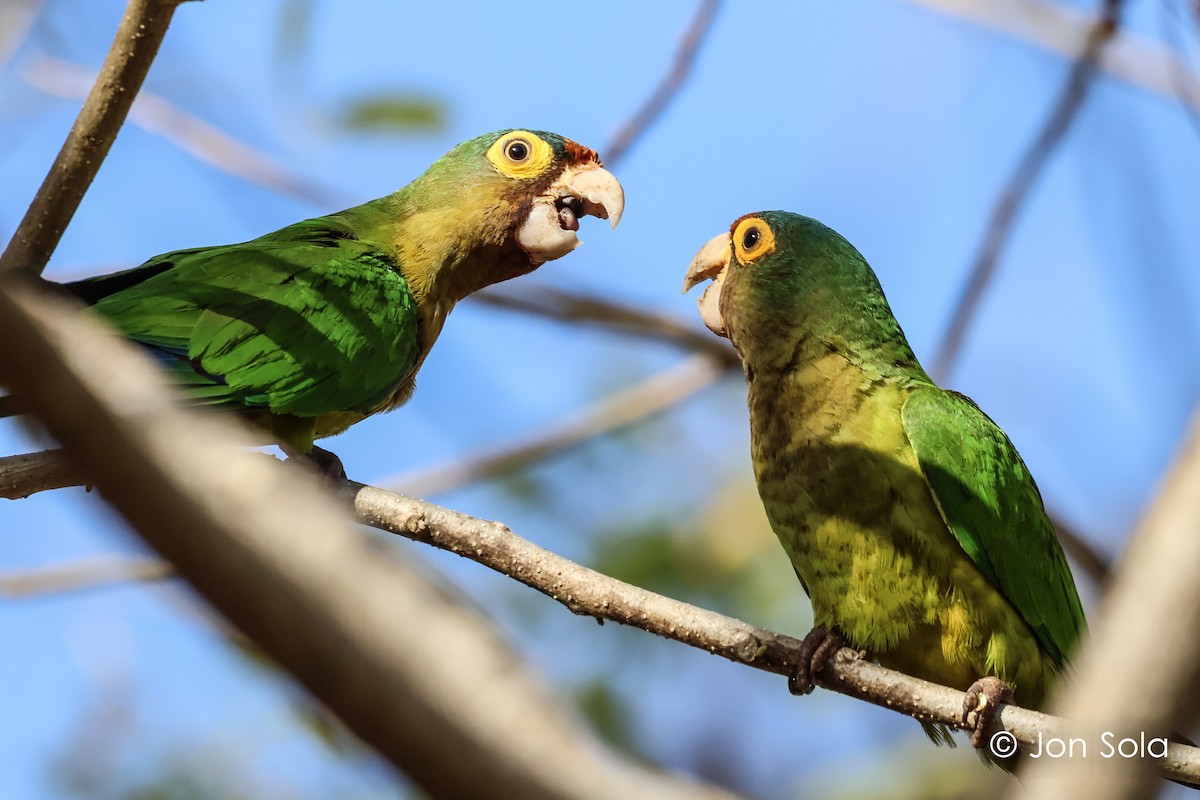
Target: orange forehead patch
578	154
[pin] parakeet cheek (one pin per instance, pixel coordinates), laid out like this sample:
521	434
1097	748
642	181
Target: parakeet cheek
584	190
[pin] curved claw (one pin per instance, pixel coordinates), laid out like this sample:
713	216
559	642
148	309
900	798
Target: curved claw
980	706
815	651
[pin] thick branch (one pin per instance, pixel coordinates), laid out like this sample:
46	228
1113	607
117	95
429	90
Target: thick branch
409	670
141	32
1004	216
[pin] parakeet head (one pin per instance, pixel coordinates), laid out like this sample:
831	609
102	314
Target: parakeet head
779	276
501	204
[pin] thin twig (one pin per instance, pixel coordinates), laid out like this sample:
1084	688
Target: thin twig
1030	167
141	32
630	405
93	573
685	56
202	140
578	307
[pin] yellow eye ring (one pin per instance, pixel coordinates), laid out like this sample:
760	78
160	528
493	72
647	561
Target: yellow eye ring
752	239
521	155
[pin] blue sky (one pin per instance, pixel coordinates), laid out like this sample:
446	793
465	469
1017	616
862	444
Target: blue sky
896	126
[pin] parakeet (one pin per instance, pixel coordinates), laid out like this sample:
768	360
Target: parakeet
911	521
316	326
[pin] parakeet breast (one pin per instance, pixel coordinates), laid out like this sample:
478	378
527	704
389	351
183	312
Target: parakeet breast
844	493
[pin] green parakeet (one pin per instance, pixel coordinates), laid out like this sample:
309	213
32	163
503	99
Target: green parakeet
316	326
910	519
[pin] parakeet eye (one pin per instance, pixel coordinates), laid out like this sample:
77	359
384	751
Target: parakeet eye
521	154
752	239
517	150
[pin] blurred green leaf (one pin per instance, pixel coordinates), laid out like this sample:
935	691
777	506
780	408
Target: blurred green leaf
393	113
608	714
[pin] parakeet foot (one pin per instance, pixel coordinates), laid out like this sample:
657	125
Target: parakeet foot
984	698
327	464
820	643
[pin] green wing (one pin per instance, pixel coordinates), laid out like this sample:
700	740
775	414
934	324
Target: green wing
305	321
991	503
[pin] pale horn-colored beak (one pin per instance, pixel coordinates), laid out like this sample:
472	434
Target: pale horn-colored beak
710	263
587	190
598	189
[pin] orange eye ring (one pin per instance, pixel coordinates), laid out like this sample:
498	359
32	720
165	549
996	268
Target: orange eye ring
752	239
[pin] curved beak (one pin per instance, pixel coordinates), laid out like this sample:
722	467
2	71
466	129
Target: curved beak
710	263
590	190
580	191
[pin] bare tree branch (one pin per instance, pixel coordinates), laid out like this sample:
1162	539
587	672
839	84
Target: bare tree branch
630	405
1153	608
78	576
413	673
592	594
141	32
668	88
1058	28
577	307
1030	167
205	142
30	473
1086	555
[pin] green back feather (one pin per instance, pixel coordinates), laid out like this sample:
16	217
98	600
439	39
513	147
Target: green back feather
992	505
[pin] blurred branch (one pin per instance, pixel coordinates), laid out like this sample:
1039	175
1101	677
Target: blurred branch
1030	167
564	306
16	19
648	397
141	32
413	673
685	57
1153	607
78	576
1058	28
205	142
1085	554
1178	18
